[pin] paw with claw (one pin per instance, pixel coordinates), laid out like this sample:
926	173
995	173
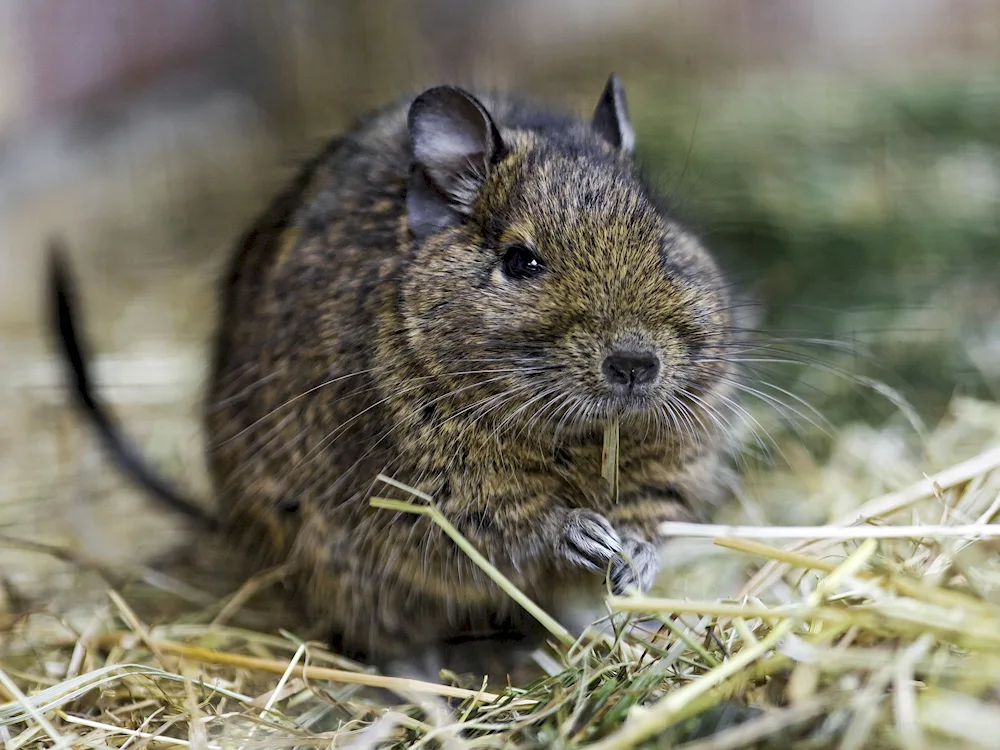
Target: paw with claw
637	566
589	541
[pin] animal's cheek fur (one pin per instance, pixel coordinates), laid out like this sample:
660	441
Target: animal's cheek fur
441	296
579	357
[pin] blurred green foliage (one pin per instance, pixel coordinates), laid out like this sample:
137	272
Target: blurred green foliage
866	212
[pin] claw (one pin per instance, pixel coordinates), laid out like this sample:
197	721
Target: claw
589	540
637	567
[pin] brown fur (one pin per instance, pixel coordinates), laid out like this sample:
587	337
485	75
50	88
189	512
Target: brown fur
349	348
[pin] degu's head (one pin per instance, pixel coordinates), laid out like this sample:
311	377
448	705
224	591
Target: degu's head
551	281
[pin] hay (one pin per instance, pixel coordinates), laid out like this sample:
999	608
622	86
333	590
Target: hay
880	629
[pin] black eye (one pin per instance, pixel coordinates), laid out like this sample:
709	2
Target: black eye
521	262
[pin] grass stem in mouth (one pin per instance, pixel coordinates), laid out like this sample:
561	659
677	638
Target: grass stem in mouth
609	457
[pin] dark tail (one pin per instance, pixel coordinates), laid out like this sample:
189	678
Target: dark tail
63	312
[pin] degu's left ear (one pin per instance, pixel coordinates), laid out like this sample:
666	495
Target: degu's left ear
610	118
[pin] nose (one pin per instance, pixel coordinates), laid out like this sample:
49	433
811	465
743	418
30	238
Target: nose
630	368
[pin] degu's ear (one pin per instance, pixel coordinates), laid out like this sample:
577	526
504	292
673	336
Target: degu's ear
610	118
455	142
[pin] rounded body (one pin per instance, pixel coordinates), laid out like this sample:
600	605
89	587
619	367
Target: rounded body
360	337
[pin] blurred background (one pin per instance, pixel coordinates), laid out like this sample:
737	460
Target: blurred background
842	160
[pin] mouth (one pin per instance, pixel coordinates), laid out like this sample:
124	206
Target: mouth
621	405
591	416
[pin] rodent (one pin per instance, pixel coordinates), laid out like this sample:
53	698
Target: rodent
460	292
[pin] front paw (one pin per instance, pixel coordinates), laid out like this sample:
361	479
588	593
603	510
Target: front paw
589	541
637	566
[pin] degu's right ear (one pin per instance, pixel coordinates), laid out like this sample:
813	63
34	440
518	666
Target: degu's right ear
455	142
611	119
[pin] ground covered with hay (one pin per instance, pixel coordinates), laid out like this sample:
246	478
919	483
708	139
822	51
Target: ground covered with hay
864	215
866	633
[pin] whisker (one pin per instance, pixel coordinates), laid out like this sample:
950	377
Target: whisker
292	400
518	411
330	438
751	421
357	392
824	426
